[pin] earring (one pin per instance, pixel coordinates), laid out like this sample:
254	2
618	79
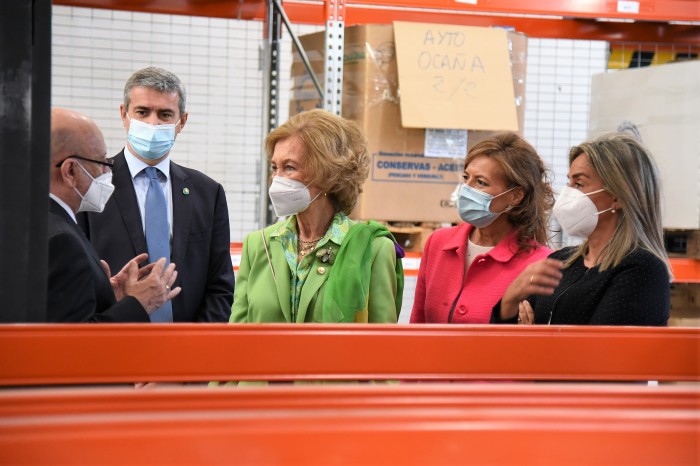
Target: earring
612	211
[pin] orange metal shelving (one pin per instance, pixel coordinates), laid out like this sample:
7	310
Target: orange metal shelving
685	270
655	21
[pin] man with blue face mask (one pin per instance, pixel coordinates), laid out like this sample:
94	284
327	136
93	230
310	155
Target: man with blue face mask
164	209
80	285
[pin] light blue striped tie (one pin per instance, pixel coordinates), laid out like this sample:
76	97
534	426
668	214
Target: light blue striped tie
157	234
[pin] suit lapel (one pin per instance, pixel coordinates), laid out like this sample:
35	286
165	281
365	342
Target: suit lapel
125	197
282	273
182	211
58	210
313	282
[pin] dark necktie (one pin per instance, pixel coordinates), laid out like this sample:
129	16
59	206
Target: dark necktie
157	234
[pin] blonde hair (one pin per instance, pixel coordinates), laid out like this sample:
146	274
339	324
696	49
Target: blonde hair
523	168
335	150
630	175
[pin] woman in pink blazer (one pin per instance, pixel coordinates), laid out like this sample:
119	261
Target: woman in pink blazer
505	203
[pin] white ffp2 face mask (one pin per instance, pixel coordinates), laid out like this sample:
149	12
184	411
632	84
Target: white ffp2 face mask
96	197
289	196
576	213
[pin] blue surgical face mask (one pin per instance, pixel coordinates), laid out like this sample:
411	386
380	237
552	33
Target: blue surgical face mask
151	141
473	206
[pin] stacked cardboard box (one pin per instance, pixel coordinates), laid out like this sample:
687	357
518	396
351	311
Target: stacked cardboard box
661	104
685	305
403	184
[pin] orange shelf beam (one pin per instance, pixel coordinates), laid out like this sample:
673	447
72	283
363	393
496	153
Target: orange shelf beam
686	270
41	354
566	19
648	10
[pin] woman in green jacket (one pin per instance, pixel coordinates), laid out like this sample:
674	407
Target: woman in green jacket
317	265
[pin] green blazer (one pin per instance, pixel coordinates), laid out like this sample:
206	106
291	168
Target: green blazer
258	298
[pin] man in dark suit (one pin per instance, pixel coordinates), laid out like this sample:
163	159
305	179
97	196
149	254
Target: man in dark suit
80	288
153	113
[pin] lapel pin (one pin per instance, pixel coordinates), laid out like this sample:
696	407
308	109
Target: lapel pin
185	191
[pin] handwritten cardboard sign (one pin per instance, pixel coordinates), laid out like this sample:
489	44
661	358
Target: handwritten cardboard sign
456	77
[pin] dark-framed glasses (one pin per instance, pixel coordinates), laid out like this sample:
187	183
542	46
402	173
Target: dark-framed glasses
75	156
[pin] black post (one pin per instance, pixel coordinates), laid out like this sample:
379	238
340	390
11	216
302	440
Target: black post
25	116
271	117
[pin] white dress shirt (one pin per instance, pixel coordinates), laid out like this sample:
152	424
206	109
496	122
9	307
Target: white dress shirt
64	205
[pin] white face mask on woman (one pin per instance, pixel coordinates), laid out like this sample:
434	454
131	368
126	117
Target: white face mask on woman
576	213
289	196
96	197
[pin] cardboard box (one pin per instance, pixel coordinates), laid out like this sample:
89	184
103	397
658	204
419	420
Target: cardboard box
454	76
684	321
685	305
662	105
682	243
412	238
685	299
403	184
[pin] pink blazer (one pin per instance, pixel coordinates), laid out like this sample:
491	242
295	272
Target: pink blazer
443	289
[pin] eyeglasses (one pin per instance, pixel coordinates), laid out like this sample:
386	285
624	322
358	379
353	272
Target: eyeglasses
105	164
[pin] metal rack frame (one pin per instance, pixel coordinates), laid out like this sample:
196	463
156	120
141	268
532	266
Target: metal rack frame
653	22
332	93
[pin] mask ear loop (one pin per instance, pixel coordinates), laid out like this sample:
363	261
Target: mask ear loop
594	192
508	207
316	197
84	170
504	192
612	209
75	188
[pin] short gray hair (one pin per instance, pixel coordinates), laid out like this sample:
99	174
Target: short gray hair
157	79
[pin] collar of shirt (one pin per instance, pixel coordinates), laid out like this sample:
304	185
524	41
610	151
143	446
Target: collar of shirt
336	232
502	252
136	165
64	205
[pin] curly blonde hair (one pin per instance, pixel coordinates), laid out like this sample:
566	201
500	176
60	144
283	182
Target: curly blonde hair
523	168
335	150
